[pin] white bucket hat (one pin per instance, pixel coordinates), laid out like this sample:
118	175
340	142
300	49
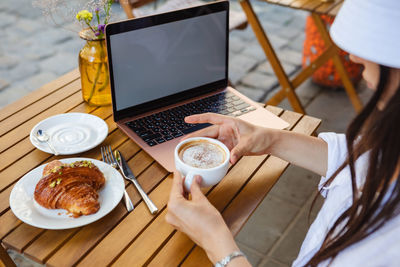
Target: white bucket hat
369	29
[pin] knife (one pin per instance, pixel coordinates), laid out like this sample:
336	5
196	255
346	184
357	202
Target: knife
128	174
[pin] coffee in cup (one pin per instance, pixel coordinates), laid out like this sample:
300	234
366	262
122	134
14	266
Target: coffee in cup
202	154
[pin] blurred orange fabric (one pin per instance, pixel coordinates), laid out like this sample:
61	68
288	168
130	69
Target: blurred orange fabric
314	46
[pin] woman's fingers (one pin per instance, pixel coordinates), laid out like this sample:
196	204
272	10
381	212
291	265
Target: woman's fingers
177	185
195	189
209	118
241	149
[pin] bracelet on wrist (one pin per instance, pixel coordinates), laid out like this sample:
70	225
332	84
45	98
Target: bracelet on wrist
229	258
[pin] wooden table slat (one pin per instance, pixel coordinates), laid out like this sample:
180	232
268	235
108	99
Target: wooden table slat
120	238
115	138
40	251
286	2
12	173
335	10
39	106
110	247
255	190
20	149
276	110
299	3
32	155
23	130
241	175
38	94
21	243
90	235
311	5
326	7
8	222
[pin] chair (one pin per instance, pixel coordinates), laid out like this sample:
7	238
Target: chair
237	19
316	7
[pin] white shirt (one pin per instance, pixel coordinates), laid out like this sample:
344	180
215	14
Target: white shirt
381	248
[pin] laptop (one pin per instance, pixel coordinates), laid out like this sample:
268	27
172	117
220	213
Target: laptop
167	66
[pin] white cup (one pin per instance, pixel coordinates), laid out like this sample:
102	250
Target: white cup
211	176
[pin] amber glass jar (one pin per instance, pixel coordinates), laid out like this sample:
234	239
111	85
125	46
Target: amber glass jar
93	67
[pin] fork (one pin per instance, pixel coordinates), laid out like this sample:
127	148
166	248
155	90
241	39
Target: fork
106	154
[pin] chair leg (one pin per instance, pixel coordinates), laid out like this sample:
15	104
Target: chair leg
126	5
284	81
348	85
5	259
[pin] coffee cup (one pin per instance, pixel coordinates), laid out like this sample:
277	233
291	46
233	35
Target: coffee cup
202	156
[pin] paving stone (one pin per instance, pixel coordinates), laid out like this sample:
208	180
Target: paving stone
298	21
297	43
255	51
22	71
3	84
11	94
266	68
7	19
290	56
270	27
296	185
236	44
278	18
308	91
26	27
289	32
239	65
38	80
22	261
246	34
252	93
73	46
334	108
259	80
28	11
8	62
267	223
60	64
288	249
52	37
38	52
253	256
13	38
272	263
277	42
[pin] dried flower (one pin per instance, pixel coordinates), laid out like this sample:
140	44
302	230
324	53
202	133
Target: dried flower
101	27
84	15
92	14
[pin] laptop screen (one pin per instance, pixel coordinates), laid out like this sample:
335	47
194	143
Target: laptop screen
160	63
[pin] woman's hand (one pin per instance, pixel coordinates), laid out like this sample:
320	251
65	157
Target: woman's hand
241	137
200	220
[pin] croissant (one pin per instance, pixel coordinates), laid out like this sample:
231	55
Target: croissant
72	187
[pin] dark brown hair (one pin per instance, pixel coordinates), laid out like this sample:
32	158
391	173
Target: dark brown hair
378	133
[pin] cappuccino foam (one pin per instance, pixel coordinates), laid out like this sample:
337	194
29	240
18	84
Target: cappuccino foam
204	155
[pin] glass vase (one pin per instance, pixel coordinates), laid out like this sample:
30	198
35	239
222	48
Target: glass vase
93	67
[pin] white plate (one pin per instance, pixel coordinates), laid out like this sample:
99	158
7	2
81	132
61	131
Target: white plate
71	133
25	207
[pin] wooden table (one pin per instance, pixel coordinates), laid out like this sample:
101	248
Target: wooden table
288	87
120	238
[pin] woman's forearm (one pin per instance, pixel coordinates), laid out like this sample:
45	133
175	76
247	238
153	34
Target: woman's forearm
301	150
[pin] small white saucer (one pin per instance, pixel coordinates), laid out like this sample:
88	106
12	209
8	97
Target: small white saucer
71	133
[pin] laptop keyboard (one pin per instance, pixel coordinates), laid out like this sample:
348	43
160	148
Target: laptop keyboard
169	124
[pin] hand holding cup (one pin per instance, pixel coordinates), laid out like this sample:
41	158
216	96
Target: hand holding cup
206	157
